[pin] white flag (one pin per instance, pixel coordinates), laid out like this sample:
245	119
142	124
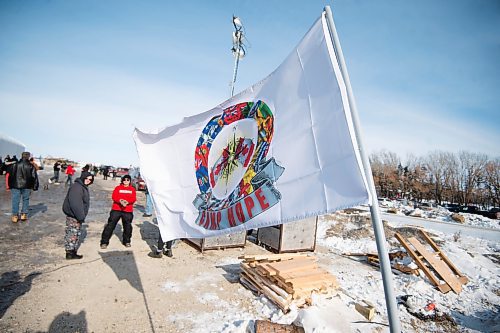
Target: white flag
280	151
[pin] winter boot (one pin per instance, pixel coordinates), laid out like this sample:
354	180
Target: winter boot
24	216
155	253
14	218
168	252
72	255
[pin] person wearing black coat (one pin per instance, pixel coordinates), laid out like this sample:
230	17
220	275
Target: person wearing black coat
22	179
76	207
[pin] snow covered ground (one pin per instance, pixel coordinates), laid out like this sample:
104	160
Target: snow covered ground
475	309
439	214
423	308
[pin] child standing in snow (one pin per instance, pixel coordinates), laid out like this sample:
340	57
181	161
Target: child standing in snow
123	197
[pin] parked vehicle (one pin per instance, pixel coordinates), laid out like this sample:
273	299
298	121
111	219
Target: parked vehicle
454	208
384	202
426	205
469	209
139	183
494	213
120	172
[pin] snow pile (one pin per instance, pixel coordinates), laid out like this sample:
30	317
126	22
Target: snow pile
439	214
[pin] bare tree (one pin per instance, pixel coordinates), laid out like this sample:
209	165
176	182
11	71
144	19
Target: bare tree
471	168
492	182
463	178
385	172
441	167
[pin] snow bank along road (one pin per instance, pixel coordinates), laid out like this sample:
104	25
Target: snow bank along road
445	227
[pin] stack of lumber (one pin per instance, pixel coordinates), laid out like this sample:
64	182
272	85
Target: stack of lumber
285	278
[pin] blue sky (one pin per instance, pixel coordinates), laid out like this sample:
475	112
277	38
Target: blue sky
76	77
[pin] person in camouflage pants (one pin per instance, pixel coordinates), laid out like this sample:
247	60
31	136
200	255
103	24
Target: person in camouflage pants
73	232
76	207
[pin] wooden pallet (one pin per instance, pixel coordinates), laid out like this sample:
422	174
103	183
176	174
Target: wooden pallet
374	260
286	278
435	264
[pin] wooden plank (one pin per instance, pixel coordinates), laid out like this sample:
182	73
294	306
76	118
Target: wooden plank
247	282
264	269
288	276
419	262
270	256
367	311
292	265
439	265
444	257
312	280
357	254
321	286
396	266
278	300
262	281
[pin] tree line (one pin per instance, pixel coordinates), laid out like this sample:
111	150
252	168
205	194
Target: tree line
462	178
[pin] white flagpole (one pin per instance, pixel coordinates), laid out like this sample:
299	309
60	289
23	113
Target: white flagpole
385	264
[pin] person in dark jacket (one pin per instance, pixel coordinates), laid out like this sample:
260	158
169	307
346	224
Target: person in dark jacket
22	179
76	207
57	168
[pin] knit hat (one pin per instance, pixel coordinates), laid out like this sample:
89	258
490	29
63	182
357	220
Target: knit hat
86	174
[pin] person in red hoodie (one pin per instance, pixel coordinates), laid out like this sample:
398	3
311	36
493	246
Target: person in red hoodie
70	171
123	206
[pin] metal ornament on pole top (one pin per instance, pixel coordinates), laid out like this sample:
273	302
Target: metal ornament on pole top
237	49
385	265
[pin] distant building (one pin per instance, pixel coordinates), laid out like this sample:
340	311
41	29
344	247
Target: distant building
10	146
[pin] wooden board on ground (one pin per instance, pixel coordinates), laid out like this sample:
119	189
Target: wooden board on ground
440	264
368	311
444	288
462	278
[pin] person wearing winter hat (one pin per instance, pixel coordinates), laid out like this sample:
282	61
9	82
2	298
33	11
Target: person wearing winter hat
22	179
123	196
76	207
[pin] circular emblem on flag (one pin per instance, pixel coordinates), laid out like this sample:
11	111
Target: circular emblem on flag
228	153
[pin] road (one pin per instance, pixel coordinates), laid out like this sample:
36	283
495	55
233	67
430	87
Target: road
445	227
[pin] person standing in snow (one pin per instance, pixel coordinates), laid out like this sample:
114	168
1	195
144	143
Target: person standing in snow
57	168
22	179
70	171
76	207
162	247
148	210
123	196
